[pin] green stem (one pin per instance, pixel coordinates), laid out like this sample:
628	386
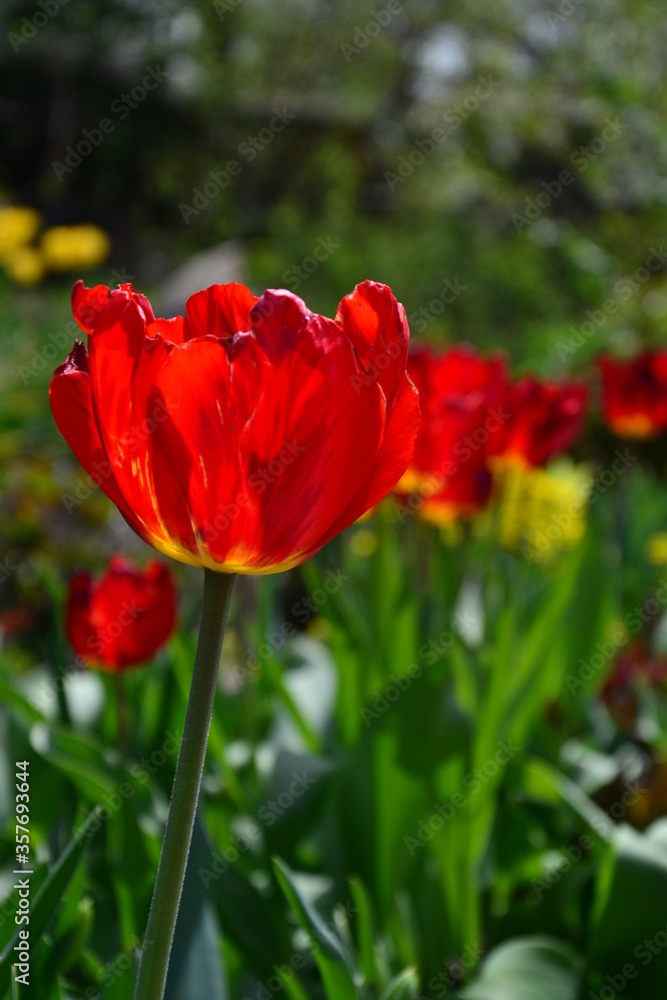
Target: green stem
121	711
180	821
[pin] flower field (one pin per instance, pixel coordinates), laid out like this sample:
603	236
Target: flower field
333	510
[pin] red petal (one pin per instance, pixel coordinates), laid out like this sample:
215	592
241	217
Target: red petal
123	364
463	495
278	320
634	394
463	400
172	331
393	458
220	311
123	618
323	434
378	329
194	453
73	413
95	308
265	462
546	418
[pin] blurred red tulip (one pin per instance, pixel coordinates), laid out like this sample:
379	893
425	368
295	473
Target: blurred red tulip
246	435
546	417
634	394
16	621
463	402
121	619
633	667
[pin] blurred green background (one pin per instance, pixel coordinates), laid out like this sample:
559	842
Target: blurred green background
519	91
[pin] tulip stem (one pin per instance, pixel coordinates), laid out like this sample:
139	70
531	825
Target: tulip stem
121	711
154	960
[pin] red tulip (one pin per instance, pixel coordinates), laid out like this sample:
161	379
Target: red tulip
634	394
546	417
462	398
246	435
122	618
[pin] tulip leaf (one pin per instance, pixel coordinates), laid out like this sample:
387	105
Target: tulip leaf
527	968
120	987
326	946
629	935
365	935
296	797
46	900
195	964
404	986
253	921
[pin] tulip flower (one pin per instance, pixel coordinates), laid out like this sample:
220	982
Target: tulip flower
462	398
124	617
545	418
634	668
239	438
244	436
634	394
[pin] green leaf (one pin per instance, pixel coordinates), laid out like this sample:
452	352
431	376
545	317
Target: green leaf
326	946
364	925
527	969
46	900
77	758
253	921
404	986
123	981
629	912
195	964
305	781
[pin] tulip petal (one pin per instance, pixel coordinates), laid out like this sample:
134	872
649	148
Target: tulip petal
392	459
256	463
72	409
219	311
546	418
122	618
634	394
123	364
316	461
378	330
172	331
194	453
98	307
278	320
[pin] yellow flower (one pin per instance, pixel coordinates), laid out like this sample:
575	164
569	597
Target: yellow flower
656	549
542	511
363	542
18	225
71	248
25	266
